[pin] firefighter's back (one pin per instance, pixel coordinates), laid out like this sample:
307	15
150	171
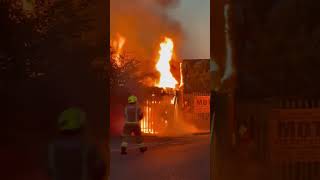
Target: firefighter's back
131	112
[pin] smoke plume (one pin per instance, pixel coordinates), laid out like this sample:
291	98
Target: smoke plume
144	23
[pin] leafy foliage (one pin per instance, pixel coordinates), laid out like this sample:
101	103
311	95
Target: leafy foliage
125	75
34	43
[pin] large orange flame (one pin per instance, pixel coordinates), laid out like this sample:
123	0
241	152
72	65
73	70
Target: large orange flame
118	44
163	65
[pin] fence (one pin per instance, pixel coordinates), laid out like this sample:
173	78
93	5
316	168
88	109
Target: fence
294	103
294	139
299	170
254	115
197	105
158	114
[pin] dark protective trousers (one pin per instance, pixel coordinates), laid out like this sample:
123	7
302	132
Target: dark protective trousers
132	128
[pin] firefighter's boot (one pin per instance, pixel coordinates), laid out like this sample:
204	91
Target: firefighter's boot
143	149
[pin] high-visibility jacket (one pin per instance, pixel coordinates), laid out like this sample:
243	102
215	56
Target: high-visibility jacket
71	118
133	113
70	158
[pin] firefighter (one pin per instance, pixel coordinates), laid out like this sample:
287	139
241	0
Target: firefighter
70	157
133	115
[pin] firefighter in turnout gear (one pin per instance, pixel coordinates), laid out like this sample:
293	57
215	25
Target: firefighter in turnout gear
70	157
133	115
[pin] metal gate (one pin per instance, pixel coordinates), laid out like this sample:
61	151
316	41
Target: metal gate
294	140
300	170
158	113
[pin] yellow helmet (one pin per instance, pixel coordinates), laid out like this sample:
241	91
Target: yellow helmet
132	99
71	119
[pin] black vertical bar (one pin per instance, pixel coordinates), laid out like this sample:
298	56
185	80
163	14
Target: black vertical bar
285	170
308	171
297	170
212	107
316	169
291	170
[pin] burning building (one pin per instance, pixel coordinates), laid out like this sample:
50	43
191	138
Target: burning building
165	103
160	105
137	27
181	87
159	85
164	99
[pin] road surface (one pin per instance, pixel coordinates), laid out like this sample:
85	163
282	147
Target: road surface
181	158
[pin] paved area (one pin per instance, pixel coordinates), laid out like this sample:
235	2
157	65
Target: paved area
239	163
179	158
184	158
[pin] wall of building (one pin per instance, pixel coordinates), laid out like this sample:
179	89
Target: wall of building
196	75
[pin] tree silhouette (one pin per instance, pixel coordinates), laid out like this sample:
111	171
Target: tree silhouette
46	61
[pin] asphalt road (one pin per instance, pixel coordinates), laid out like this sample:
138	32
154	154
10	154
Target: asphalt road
181	158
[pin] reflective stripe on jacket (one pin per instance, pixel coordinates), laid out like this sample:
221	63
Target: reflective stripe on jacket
132	113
